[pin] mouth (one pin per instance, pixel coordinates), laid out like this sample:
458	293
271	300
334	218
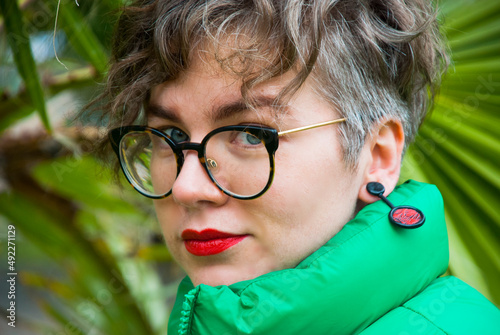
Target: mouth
209	241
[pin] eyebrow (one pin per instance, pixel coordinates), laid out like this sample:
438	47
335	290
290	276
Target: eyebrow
162	112
221	112
239	106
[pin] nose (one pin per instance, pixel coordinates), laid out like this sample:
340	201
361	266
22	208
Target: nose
193	188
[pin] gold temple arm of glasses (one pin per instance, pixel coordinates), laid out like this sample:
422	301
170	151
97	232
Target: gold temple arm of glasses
310	126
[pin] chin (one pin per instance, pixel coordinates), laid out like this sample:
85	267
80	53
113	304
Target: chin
223	275
216	279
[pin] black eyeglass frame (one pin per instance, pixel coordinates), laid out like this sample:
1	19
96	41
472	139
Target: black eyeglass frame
269	136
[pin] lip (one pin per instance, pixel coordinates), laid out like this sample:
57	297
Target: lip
209	241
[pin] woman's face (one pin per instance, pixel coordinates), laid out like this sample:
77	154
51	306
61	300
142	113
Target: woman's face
218	239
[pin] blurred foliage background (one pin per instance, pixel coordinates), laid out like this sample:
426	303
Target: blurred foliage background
89	255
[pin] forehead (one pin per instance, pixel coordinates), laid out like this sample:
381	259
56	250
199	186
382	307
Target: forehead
212	89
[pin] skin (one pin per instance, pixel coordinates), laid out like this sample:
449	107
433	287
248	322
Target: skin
313	193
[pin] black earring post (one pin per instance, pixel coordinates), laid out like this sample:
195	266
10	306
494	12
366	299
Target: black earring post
377	189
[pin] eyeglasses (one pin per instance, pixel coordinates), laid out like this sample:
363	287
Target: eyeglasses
238	159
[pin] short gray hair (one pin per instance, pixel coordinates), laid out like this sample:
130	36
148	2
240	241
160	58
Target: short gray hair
370	59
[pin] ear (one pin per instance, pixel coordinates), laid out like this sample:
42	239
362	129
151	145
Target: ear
383	162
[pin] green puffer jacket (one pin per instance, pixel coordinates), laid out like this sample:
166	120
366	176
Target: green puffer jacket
370	278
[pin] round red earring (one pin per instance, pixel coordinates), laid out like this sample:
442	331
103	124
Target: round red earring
403	216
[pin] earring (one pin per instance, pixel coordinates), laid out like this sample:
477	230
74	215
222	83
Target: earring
404	216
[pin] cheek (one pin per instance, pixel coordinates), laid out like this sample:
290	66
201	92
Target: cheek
168	220
310	171
163	174
312	197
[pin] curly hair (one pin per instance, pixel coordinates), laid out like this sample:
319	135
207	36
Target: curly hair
370	59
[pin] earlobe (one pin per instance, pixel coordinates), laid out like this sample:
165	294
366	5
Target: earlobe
383	164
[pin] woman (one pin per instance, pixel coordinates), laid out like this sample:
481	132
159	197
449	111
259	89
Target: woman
267	131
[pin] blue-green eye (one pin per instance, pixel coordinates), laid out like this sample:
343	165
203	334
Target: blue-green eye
176	135
248	139
253	139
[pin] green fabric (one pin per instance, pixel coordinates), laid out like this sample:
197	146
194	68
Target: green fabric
446	306
363	274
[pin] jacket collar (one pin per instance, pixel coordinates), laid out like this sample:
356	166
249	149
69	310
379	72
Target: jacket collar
367	269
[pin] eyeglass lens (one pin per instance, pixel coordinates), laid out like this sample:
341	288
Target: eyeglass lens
237	161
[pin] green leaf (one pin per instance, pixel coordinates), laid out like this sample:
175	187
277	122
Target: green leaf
19	43
82	37
12	111
83	180
466	16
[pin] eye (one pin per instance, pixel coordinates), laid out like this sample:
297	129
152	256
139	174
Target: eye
176	135
247	139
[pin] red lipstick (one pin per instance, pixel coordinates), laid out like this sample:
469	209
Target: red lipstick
209	241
